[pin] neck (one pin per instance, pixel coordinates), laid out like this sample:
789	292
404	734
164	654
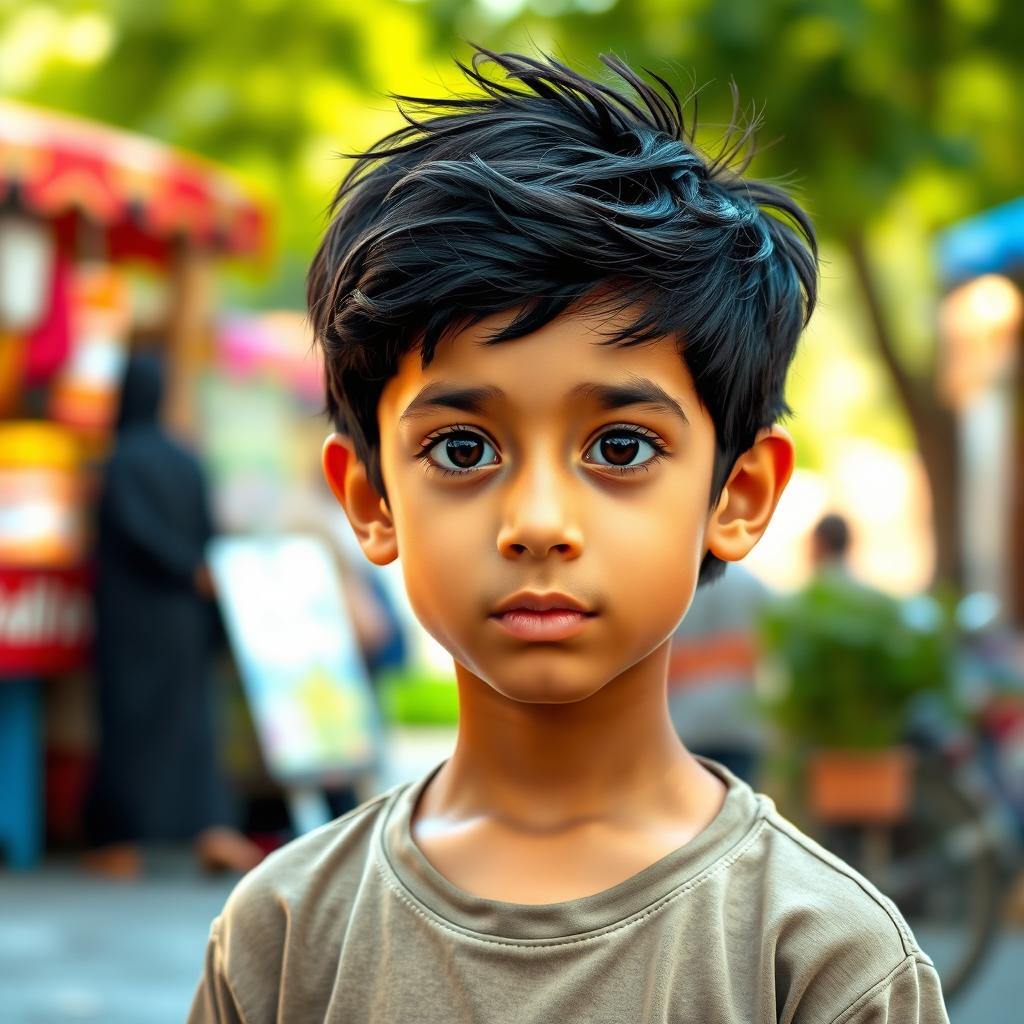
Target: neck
613	757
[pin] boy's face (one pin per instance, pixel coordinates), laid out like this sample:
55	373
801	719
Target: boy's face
579	468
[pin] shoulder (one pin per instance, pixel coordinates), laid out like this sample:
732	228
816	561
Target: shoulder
839	943
289	876
281	908
813	882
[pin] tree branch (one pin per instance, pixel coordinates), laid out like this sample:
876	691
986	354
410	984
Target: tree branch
881	331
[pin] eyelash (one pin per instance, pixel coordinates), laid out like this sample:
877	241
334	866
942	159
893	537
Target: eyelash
428	443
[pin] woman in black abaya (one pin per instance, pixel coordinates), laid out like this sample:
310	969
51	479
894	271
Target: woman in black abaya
157	774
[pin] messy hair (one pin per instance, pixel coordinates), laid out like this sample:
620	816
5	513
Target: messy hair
544	189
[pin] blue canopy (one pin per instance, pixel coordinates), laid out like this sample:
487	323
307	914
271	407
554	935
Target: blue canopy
990	243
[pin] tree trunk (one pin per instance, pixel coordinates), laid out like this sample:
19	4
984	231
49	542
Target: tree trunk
938	442
935	426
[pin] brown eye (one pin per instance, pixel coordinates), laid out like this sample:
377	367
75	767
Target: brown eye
622	449
462	451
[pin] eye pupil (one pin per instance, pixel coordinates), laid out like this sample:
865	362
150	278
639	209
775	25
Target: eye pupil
463	451
619	450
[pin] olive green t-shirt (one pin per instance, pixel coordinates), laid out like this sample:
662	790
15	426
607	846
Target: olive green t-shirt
750	921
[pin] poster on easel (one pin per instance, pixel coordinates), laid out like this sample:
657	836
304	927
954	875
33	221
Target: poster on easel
302	672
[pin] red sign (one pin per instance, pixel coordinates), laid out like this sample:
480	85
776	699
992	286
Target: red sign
46	620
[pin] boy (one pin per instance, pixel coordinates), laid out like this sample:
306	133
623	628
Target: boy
556	340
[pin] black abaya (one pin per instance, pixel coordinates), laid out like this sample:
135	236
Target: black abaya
157	774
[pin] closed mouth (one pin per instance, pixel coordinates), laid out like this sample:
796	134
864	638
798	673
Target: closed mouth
535	603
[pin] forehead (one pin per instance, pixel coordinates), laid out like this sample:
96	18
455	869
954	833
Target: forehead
558	369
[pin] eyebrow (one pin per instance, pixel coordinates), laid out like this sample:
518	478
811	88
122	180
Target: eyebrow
443	396
637	391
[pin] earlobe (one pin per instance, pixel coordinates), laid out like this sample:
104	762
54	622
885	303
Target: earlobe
751	494
366	510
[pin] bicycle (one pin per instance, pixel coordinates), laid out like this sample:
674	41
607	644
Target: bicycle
945	864
851	675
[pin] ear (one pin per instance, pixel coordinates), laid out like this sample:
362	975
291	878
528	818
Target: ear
751	493
367	511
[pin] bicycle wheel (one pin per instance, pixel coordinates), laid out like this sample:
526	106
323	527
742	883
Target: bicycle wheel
941	868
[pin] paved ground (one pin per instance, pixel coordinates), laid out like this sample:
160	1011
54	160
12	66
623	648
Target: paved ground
74	949
995	996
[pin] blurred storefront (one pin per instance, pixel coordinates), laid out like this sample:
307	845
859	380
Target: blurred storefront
108	241
981	261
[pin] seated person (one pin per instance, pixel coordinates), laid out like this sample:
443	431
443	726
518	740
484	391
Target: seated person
711	673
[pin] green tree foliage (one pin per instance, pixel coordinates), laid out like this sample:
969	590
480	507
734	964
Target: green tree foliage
892	118
867	102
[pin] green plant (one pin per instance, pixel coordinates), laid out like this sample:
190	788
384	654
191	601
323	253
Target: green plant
850	660
414	698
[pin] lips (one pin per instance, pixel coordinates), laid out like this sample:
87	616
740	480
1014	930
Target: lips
530	601
542	617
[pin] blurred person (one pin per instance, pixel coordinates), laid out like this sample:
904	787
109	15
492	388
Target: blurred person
157	775
829	543
711	672
830	546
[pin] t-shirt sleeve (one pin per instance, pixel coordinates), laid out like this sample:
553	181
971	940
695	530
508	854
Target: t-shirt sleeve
214	1002
911	994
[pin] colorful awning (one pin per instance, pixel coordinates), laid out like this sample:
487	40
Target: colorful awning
991	242
55	164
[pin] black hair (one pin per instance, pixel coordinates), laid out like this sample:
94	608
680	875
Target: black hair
546	189
833	535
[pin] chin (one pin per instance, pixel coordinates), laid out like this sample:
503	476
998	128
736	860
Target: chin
544	691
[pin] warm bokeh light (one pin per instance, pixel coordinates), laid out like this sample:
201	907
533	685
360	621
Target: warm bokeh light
981	327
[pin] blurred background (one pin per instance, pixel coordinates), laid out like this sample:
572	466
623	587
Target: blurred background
164	174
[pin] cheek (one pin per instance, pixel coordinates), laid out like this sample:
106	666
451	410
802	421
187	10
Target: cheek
652	558
441	557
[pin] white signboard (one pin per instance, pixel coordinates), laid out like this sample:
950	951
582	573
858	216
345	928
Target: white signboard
296	651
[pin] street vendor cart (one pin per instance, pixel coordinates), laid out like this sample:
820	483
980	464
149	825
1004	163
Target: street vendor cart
107	241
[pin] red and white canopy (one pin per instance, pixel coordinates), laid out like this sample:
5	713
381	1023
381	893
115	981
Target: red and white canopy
144	193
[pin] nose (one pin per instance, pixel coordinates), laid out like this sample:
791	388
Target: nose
539	514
